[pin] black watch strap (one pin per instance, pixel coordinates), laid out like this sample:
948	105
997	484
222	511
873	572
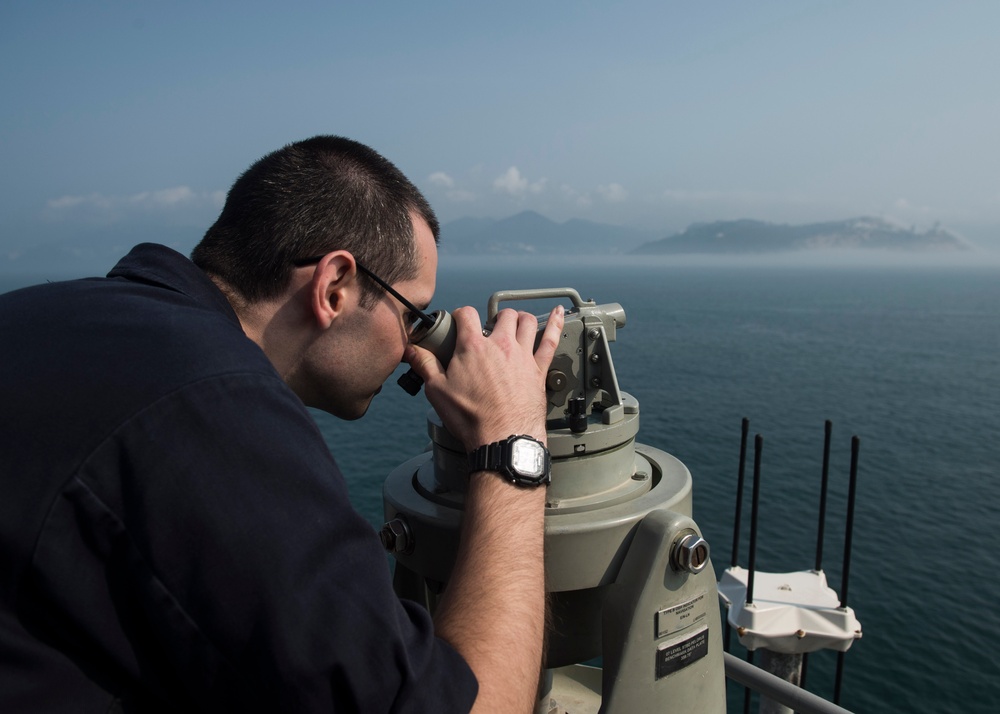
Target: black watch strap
486	457
499	457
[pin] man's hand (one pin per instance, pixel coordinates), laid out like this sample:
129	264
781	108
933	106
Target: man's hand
494	385
493	608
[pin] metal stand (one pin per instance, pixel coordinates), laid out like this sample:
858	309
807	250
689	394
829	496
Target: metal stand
627	571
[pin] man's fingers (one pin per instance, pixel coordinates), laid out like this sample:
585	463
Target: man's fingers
423	362
506	319
467	324
550	338
527	328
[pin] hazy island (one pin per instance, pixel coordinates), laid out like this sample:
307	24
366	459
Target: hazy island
747	236
532	233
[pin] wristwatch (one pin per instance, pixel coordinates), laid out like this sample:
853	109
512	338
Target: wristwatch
519	459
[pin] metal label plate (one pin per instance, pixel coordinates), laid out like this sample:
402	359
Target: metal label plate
679	617
675	656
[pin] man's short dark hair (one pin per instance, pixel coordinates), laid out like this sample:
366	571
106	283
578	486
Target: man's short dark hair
309	198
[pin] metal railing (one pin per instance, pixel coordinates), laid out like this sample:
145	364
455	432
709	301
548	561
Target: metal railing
777	689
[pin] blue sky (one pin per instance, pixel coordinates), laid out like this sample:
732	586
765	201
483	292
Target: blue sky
132	118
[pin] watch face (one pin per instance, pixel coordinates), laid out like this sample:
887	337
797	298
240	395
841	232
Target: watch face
527	458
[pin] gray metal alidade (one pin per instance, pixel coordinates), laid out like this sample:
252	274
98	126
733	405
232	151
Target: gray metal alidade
628	572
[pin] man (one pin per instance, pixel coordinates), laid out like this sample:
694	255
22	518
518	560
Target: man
174	533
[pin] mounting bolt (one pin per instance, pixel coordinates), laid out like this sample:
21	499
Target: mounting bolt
593	333
555	381
396	537
690	553
595	358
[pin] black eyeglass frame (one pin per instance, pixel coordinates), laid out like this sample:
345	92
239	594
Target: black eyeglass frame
426	320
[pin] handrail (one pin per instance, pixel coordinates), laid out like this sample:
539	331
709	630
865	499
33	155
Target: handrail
777	689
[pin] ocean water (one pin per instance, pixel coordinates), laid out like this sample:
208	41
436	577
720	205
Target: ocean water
906	358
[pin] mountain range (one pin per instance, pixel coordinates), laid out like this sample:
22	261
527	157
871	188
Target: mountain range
747	236
531	233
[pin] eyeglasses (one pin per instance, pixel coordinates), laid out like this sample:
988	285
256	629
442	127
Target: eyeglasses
416	317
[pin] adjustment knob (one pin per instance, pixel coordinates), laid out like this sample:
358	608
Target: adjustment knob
690	553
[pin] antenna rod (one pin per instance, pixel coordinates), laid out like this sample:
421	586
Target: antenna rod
822	495
849	534
747	692
848	538
758	447
737	518
821	526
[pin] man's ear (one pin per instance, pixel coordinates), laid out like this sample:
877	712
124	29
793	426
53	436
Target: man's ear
333	286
